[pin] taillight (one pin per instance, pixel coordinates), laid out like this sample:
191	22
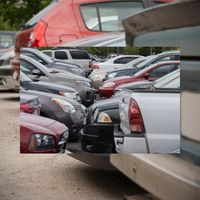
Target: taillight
24	107
37	36
135	118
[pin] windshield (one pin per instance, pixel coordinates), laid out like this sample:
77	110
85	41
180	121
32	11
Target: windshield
149	58
171	80
36	18
108	16
24	77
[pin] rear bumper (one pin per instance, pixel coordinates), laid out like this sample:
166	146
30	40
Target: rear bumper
129	143
100	161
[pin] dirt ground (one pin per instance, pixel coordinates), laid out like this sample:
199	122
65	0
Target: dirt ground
52	177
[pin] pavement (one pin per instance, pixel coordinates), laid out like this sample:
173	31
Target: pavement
52	176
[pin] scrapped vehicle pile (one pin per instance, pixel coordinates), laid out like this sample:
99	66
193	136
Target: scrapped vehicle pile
129	103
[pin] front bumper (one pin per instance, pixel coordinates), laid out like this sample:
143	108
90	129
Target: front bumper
98	138
8	83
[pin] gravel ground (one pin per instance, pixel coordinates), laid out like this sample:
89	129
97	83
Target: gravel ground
52	177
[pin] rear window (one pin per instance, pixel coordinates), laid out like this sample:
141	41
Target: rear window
108	16
36	18
80	55
124	60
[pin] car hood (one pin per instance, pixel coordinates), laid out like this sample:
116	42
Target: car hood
53	86
41	124
49	95
117	79
71	76
135	85
106	103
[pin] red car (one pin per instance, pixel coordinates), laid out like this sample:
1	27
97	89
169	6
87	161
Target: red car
150	73
68	20
41	135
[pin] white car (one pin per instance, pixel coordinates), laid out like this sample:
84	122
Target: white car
150	119
116	61
79	57
98	75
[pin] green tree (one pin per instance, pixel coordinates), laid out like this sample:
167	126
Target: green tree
15	12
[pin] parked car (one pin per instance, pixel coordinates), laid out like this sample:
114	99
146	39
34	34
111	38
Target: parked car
6	79
49	87
150	129
84	20
80	57
62	109
37	71
150	73
29	103
125	71
41	135
6	41
117	61
98	76
50	63
97	136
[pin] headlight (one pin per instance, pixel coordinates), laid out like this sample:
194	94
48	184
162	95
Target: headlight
39	142
66	106
71	95
109	84
104	118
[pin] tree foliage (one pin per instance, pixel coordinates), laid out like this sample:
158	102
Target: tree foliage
15	12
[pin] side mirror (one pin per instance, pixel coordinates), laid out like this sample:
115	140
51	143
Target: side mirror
146	75
36	72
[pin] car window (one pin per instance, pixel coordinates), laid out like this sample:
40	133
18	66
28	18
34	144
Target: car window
27	67
23	77
61	55
167	58
108	16
79	55
29	54
161	71
124	60
48	53
174	84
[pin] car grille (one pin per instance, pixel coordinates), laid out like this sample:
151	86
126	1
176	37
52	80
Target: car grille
5	72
